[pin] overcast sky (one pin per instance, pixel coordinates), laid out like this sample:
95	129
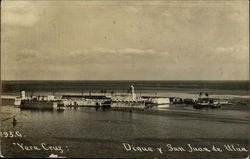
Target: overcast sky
127	40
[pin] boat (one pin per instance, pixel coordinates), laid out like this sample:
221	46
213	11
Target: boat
160	102
205	102
38	104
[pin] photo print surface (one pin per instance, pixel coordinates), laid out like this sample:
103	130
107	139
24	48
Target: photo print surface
125	79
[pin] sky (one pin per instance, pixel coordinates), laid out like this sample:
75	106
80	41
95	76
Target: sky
124	40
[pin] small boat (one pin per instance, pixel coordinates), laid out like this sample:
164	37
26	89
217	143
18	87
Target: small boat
14	122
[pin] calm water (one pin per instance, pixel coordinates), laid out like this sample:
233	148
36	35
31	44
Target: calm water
218	87
87	132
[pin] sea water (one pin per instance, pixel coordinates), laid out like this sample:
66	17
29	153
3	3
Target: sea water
88	132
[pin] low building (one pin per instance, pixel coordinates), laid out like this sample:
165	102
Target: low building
157	100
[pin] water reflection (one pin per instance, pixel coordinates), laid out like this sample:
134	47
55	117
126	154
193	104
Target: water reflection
163	106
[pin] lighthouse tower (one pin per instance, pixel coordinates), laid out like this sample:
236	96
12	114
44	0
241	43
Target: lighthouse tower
22	94
132	92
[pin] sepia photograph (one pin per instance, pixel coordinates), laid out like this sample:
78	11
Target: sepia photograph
125	79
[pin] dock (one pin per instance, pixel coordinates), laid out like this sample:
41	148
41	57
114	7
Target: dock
113	101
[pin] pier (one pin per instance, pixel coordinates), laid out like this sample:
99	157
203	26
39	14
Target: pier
113	101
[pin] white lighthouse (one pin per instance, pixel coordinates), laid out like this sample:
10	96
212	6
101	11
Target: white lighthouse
22	95
132	92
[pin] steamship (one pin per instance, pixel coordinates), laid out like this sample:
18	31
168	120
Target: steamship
40	102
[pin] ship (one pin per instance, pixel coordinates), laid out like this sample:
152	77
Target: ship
38	104
159	102
205	102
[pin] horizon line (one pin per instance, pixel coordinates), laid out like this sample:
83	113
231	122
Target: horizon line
127	80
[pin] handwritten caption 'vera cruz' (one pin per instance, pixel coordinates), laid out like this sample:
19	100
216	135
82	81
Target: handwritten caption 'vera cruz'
186	148
39	147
